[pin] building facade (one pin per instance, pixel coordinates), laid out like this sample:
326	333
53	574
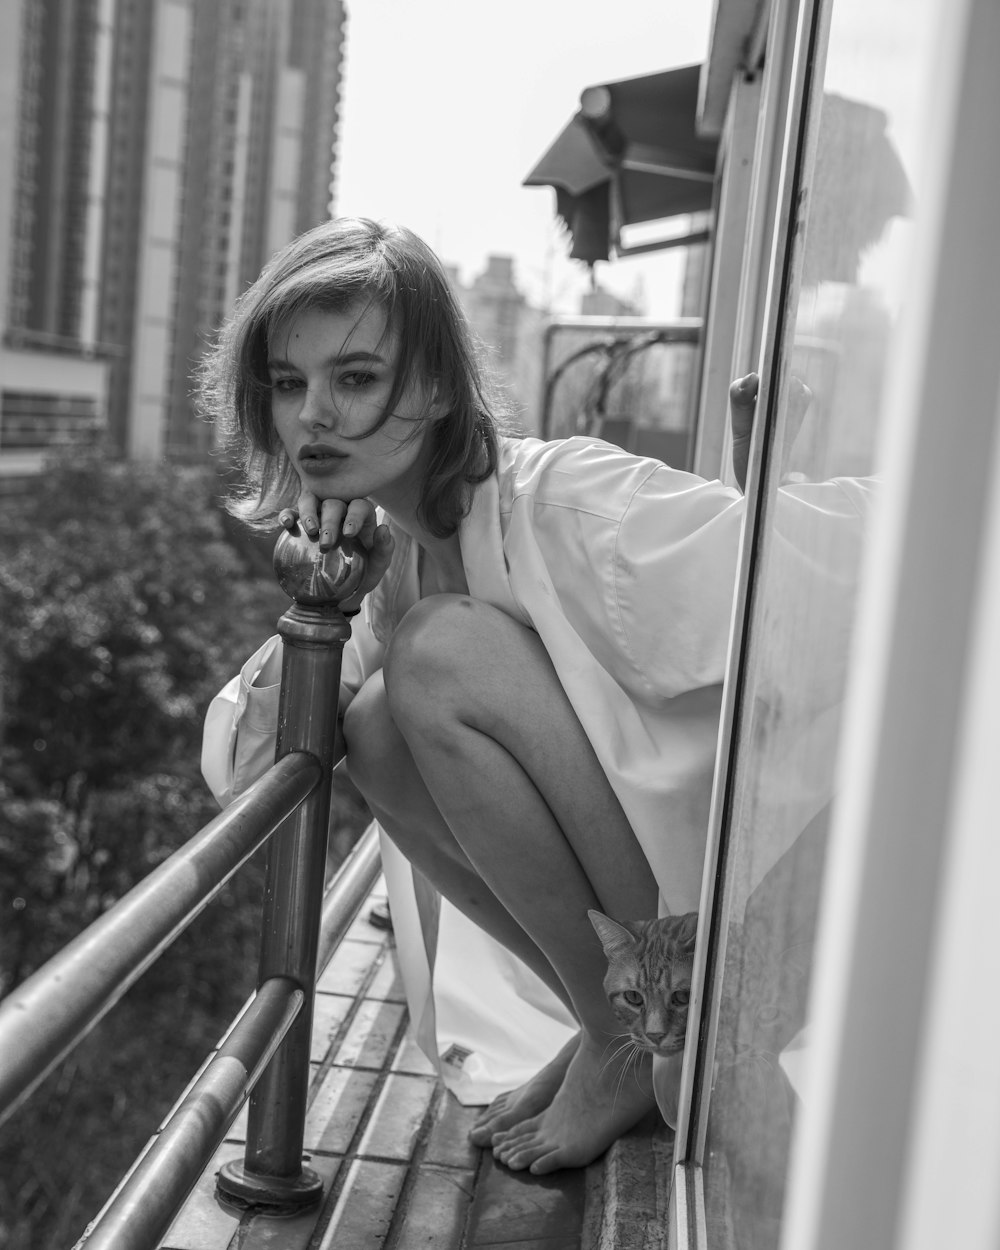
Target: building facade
510	329
154	153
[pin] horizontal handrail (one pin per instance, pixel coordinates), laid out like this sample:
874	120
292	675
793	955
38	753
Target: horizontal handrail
43	1018
148	1199
145	1205
347	892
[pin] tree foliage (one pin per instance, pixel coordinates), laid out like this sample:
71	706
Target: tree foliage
127	599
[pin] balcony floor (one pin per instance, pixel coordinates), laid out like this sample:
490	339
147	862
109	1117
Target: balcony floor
390	1143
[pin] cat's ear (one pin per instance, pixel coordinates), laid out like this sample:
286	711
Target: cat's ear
687	930
615	938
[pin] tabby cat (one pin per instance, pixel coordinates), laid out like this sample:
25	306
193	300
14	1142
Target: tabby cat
648	982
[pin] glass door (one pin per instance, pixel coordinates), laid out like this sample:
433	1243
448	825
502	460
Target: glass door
852	154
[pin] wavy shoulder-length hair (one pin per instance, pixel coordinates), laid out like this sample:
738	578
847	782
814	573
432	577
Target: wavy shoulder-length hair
351	264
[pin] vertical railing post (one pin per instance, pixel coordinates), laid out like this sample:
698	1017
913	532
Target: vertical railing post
313	632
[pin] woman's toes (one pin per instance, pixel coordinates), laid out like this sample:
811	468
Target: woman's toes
550	1162
520	1154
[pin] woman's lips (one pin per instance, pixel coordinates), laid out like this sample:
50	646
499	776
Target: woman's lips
320	459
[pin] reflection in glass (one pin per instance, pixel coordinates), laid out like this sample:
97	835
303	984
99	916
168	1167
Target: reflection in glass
820	496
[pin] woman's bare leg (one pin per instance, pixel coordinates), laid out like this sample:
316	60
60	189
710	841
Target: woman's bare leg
508	766
381	766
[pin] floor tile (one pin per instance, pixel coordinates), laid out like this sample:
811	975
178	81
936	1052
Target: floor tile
388	983
570	1241
410	1058
337	1109
518	1207
397	1117
368	1042
347	970
329	1013
436	1210
448	1142
365	1207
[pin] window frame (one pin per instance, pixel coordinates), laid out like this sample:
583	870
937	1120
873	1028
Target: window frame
783	152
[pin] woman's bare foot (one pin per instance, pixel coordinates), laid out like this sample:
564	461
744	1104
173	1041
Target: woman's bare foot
596	1103
518	1105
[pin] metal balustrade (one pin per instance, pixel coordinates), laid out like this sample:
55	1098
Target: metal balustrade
266	1052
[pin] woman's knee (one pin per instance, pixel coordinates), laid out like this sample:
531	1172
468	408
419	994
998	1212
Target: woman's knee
433	649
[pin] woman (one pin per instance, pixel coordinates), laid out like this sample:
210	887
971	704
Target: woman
530	698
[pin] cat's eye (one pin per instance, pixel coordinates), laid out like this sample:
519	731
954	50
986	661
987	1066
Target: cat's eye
633	997
680	998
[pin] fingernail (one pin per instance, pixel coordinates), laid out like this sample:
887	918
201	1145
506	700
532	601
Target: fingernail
350	527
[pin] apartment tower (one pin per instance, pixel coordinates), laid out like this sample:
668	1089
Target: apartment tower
153	155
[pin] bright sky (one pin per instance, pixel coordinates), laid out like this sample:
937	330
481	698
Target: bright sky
448	104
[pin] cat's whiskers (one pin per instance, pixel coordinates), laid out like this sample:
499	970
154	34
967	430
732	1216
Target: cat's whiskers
631	1061
623	1046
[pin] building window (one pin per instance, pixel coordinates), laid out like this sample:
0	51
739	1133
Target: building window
38	421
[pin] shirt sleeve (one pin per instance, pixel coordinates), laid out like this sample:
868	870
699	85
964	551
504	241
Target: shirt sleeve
240	727
637	559
670	578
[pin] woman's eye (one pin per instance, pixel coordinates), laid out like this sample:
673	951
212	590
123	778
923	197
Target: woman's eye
680	998
633	997
285	384
357	379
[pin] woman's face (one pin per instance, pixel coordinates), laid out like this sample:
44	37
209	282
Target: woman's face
331	376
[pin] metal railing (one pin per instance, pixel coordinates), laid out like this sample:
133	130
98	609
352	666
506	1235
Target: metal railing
616	341
266	1053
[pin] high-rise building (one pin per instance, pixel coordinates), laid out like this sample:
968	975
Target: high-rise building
510	329
153	155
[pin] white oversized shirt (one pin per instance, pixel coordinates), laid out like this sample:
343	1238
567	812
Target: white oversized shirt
625	568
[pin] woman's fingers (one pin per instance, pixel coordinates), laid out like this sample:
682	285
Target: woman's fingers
332	514
307	509
360	522
332	520
742	402
379	554
379	558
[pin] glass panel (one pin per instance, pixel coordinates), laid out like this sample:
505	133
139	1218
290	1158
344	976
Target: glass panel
821	489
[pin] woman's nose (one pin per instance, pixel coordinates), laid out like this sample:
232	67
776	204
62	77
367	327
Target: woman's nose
317	411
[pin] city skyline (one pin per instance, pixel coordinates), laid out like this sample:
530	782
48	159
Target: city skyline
158	154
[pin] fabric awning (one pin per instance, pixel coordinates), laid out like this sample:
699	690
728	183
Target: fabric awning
631	154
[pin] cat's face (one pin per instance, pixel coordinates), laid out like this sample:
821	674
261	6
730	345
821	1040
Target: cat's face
648	982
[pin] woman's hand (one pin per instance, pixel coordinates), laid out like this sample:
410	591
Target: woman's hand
332	523
742	408
742	403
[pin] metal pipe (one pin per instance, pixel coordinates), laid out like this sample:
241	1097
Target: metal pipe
676	330
43	1018
313	631
346	895
142	1209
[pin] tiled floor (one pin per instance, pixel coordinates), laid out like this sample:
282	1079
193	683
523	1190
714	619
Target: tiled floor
389	1142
